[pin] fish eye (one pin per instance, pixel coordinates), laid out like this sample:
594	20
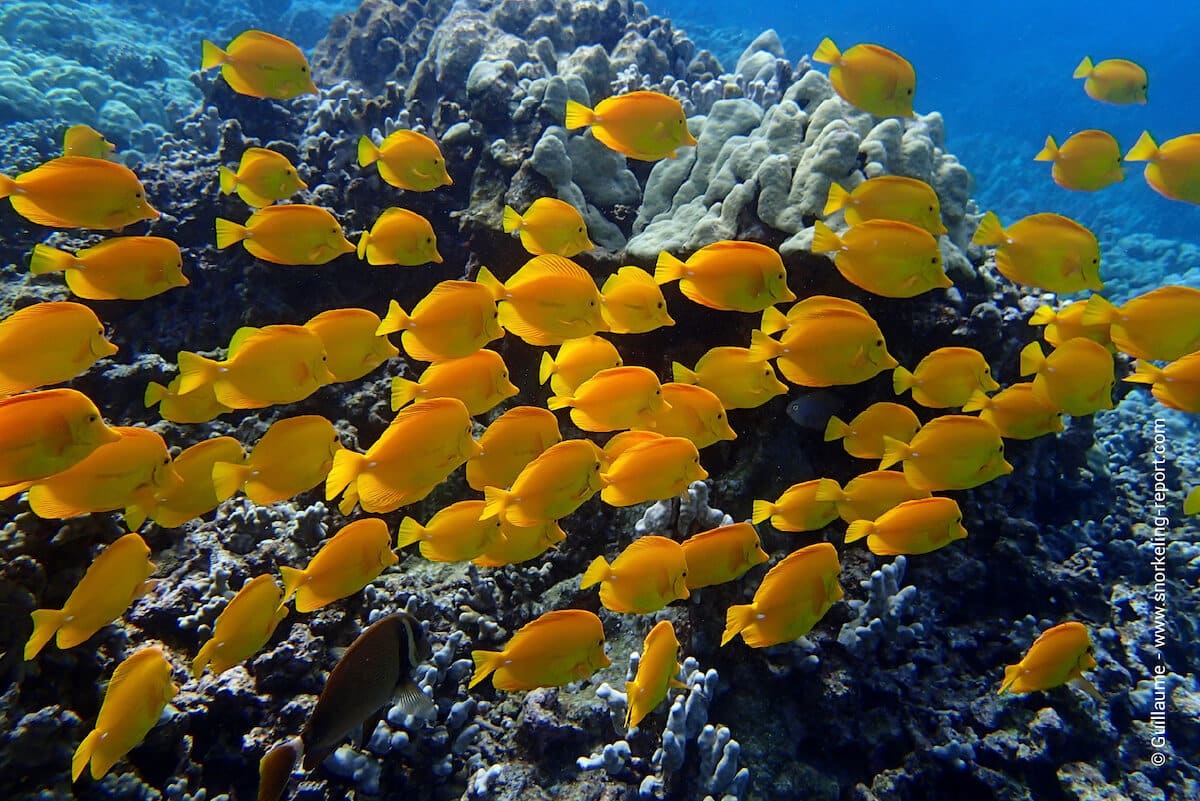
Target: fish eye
933	260
879	343
720	415
908	91
931	208
1095	261
335	438
658	392
324	358
100	331
1000	449
987	370
504	373
92	418
958	519
428	239
661	304
137	195
580	230
303	68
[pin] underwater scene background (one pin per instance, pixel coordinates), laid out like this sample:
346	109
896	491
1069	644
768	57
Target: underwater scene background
890	689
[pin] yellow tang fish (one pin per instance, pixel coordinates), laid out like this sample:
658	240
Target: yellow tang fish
518	544
1017	412
797	509
295	234
633	302
888	197
127	474
868	496
948	453
619	443
552	651
576	361
793	596
480	381
293	456
737	379
873	78
646	126
401	237
352	348
831	347
1067	323
694	413
112	582
47	343
649	574
196	495
549	227
511	441
419	450
946	377
139	689
863	436
652	471
1191	504
346	563
407	160
1176	386
1046	250
657	672
548	301
263	177
728	276
550	487
243	627
884	257
1114	80
79	192
911	527
722	554
261	65
1162	324
453	534
1077	377
454	320
198	406
613	399
1058	656
1088	161
264	366
123	268
43	433
84	140
1174	168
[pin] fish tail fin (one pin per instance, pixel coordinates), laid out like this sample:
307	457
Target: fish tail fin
559	402
347	465
836	428
902	380
360	249
762	347
292	579
596	572
1032	358
1144	373
1049	152
1098	311
83	754
511	220
838	198
410	531
546	368
404	390
978	401
894	452
46	623
668	268
230	233
825	240
773	321
46	259
486	662
395	320
495	502
228	180
1145	149
1011	674
1043	315
194	371
368	153
990	231
490	282
737	619
155	392
1084	69
203	657
683	375
828	490
7	186
276	767
578	116
761	510
228	478
827	52
211	55
858	530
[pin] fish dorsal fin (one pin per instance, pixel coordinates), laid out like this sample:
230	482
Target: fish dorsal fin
643	547
239	338
780	574
393	212
256	37
541	267
127	669
736	246
559	617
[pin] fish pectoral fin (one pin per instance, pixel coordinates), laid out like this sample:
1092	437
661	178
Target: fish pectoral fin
860	357
414	702
1089	688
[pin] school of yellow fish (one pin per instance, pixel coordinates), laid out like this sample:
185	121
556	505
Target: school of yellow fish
55	445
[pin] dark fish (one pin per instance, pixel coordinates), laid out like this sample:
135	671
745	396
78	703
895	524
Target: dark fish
813	409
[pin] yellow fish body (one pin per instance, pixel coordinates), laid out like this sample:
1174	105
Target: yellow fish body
260	64
295	234
1176	386
79	192
911	527
1076	378
346	563
198	406
737	379
480	381
406	160
518	544
401	237
646	126
123	268
1162	324
873	78
262	178
1174	168
1044	250
863	436
453	534
576	361
722	554
885	257
658	667
832	347
139	689
950	452
550	487
548	301
352	348
694	413
652	471
1088	161
511	441
243	627
1067	323
112	582
946	377
195	495
86	141
613	399
728	276
1113	80
43	433
870	495
552	651
293	456
1017	412
649	574
888	197
47	343
633	302
549	227
1058	656
454	320
797	509
793	596
621	442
